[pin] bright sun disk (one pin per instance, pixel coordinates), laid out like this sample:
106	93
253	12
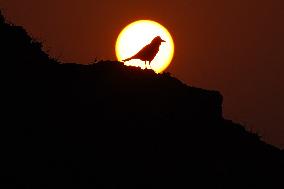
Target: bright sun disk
137	35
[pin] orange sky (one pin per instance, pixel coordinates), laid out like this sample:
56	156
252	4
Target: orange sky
235	47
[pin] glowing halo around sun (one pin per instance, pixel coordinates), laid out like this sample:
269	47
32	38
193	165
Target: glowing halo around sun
137	35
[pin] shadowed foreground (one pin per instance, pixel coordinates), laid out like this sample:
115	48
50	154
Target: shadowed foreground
110	126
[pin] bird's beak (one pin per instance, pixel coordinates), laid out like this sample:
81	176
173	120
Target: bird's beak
163	41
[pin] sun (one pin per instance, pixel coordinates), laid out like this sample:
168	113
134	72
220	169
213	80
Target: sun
137	35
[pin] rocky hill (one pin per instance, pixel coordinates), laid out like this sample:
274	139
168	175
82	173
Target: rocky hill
106	125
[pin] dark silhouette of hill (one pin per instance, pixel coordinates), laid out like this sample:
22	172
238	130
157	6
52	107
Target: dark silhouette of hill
106	125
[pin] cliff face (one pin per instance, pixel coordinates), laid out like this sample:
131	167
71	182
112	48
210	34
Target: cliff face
106	125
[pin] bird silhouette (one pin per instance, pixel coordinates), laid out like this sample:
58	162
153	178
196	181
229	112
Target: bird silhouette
148	52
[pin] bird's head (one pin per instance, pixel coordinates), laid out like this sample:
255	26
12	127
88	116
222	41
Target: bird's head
158	40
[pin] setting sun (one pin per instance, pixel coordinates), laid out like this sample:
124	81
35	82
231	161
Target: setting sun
137	35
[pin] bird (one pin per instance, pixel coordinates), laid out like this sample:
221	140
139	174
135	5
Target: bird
148	52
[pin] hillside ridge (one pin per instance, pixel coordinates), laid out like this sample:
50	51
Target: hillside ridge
106	125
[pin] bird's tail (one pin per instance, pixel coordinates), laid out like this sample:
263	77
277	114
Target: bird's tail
127	59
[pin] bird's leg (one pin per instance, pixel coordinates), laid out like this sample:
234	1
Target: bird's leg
150	64
146	64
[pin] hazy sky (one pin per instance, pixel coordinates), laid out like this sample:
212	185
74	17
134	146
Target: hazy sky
234	46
